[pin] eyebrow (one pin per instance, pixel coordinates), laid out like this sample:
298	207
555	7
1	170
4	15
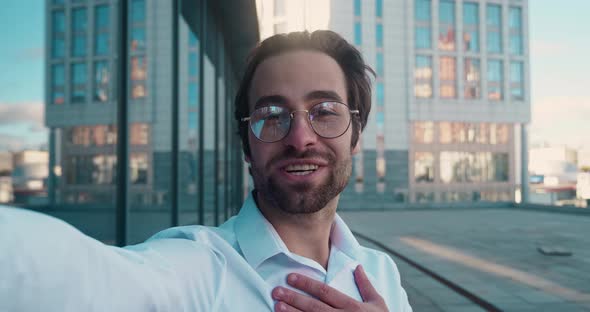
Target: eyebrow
323	94
270	99
281	100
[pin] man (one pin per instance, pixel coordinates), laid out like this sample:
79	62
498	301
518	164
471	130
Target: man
302	105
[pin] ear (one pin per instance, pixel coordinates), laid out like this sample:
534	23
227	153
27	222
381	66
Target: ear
247	159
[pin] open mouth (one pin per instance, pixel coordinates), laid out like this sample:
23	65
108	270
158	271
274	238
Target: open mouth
301	170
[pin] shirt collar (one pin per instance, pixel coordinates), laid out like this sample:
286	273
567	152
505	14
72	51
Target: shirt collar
259	240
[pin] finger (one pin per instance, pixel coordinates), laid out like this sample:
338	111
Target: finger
299	301
319	290
281	306
365	287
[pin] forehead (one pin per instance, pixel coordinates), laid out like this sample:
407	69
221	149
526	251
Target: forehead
295	75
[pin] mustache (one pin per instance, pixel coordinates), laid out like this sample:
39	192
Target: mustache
292	153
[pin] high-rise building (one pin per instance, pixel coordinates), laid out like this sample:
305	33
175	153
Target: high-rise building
451	99
82	84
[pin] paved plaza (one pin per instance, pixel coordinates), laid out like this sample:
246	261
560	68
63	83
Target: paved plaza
492	253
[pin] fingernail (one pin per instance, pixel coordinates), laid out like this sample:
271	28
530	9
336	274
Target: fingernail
282	306
280	292
293	278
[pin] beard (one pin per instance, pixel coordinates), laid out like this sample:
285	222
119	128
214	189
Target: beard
302	198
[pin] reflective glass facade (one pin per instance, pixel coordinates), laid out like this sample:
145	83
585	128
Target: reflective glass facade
204	155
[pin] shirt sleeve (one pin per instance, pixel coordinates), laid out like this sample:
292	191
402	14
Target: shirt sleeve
47	265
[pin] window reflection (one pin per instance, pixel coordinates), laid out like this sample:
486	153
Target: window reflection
494	28
101	81
102	135
516	30
422	18
423	167
495	80
78	87
517	80
138	76
58	84
79	25
471	26
423	132
465	167
446	35
101	30
423	77
448	77
472	78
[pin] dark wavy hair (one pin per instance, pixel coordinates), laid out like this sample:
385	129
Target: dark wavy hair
356	72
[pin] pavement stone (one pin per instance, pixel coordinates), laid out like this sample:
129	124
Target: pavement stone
508	270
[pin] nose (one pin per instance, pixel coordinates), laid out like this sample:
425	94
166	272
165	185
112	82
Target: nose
301	135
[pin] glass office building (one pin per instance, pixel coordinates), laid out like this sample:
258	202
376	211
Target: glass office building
180	148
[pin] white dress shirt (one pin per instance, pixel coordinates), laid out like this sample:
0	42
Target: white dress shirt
47	265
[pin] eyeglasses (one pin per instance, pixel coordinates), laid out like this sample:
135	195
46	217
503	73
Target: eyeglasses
327	119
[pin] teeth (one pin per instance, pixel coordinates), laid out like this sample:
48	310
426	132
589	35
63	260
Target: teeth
300	173
304	167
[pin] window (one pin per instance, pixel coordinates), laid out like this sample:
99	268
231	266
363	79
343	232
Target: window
446	35
193	94
137	39
423	77
379	35
138	168
379	8
138	77
380	94
102	34
357	8
58	81
358	39
140	133
472	78
58	46
379	64
423	167
516	31
422	10
448	67
423	132
422	16
423	37
471	27
102	77
79	19
59	21
78	87
494	28
517	80
138	11
495	80
79	26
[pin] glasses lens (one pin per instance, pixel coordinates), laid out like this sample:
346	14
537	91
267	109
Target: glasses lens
329	119
270	124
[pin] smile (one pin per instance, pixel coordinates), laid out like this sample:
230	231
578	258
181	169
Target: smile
301	169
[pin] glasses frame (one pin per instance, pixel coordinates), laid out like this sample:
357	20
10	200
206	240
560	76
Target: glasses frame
292	116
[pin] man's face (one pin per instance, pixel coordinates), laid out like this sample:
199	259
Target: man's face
297	81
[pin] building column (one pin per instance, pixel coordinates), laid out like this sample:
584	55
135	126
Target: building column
524	151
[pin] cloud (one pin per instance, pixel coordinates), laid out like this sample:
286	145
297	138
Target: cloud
29	113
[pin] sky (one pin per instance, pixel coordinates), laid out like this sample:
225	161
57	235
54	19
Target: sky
559	66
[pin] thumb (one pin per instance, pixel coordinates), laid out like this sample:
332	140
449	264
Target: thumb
367	291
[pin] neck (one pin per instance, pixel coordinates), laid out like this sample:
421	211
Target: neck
307	234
